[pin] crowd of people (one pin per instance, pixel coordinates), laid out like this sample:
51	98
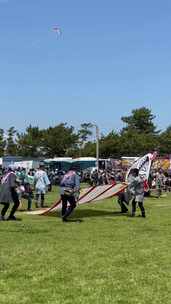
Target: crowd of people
33	184
103	177
159	180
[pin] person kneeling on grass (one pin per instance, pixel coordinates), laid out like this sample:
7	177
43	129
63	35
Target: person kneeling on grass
137	188
8	194
69	188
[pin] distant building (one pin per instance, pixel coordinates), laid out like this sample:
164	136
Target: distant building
9	160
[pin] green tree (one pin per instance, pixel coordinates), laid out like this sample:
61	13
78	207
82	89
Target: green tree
141	121
2	142
29	144
164	142
11	147
134	143
110	145
59	140
84	133
89	149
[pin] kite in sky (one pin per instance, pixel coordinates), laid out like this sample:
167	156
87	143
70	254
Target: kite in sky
57	30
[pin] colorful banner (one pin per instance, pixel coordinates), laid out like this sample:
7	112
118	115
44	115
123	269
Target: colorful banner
95	194
89	195
143	164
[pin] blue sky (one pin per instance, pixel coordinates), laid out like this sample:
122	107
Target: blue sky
112	57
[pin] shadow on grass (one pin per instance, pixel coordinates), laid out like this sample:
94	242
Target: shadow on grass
71	220
88	213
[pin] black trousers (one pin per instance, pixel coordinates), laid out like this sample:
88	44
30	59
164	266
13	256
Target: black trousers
15	206
40	197
122	202
141	206
66	211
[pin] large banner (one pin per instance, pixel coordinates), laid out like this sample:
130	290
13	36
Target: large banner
143	164
95	194
89	195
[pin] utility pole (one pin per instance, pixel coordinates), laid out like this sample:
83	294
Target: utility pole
97	146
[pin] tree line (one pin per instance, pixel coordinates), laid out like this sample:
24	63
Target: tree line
139	135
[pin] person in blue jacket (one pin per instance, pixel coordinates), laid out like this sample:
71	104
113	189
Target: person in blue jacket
69	189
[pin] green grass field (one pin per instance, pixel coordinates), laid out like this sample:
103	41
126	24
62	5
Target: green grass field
107	258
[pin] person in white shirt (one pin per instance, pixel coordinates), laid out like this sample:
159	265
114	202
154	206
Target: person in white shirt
41	183
137	189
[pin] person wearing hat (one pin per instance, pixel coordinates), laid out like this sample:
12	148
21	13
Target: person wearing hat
8	194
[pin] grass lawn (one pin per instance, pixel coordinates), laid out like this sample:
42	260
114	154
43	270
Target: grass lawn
107	258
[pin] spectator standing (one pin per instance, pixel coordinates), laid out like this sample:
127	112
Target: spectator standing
159	184
29	185
41	184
